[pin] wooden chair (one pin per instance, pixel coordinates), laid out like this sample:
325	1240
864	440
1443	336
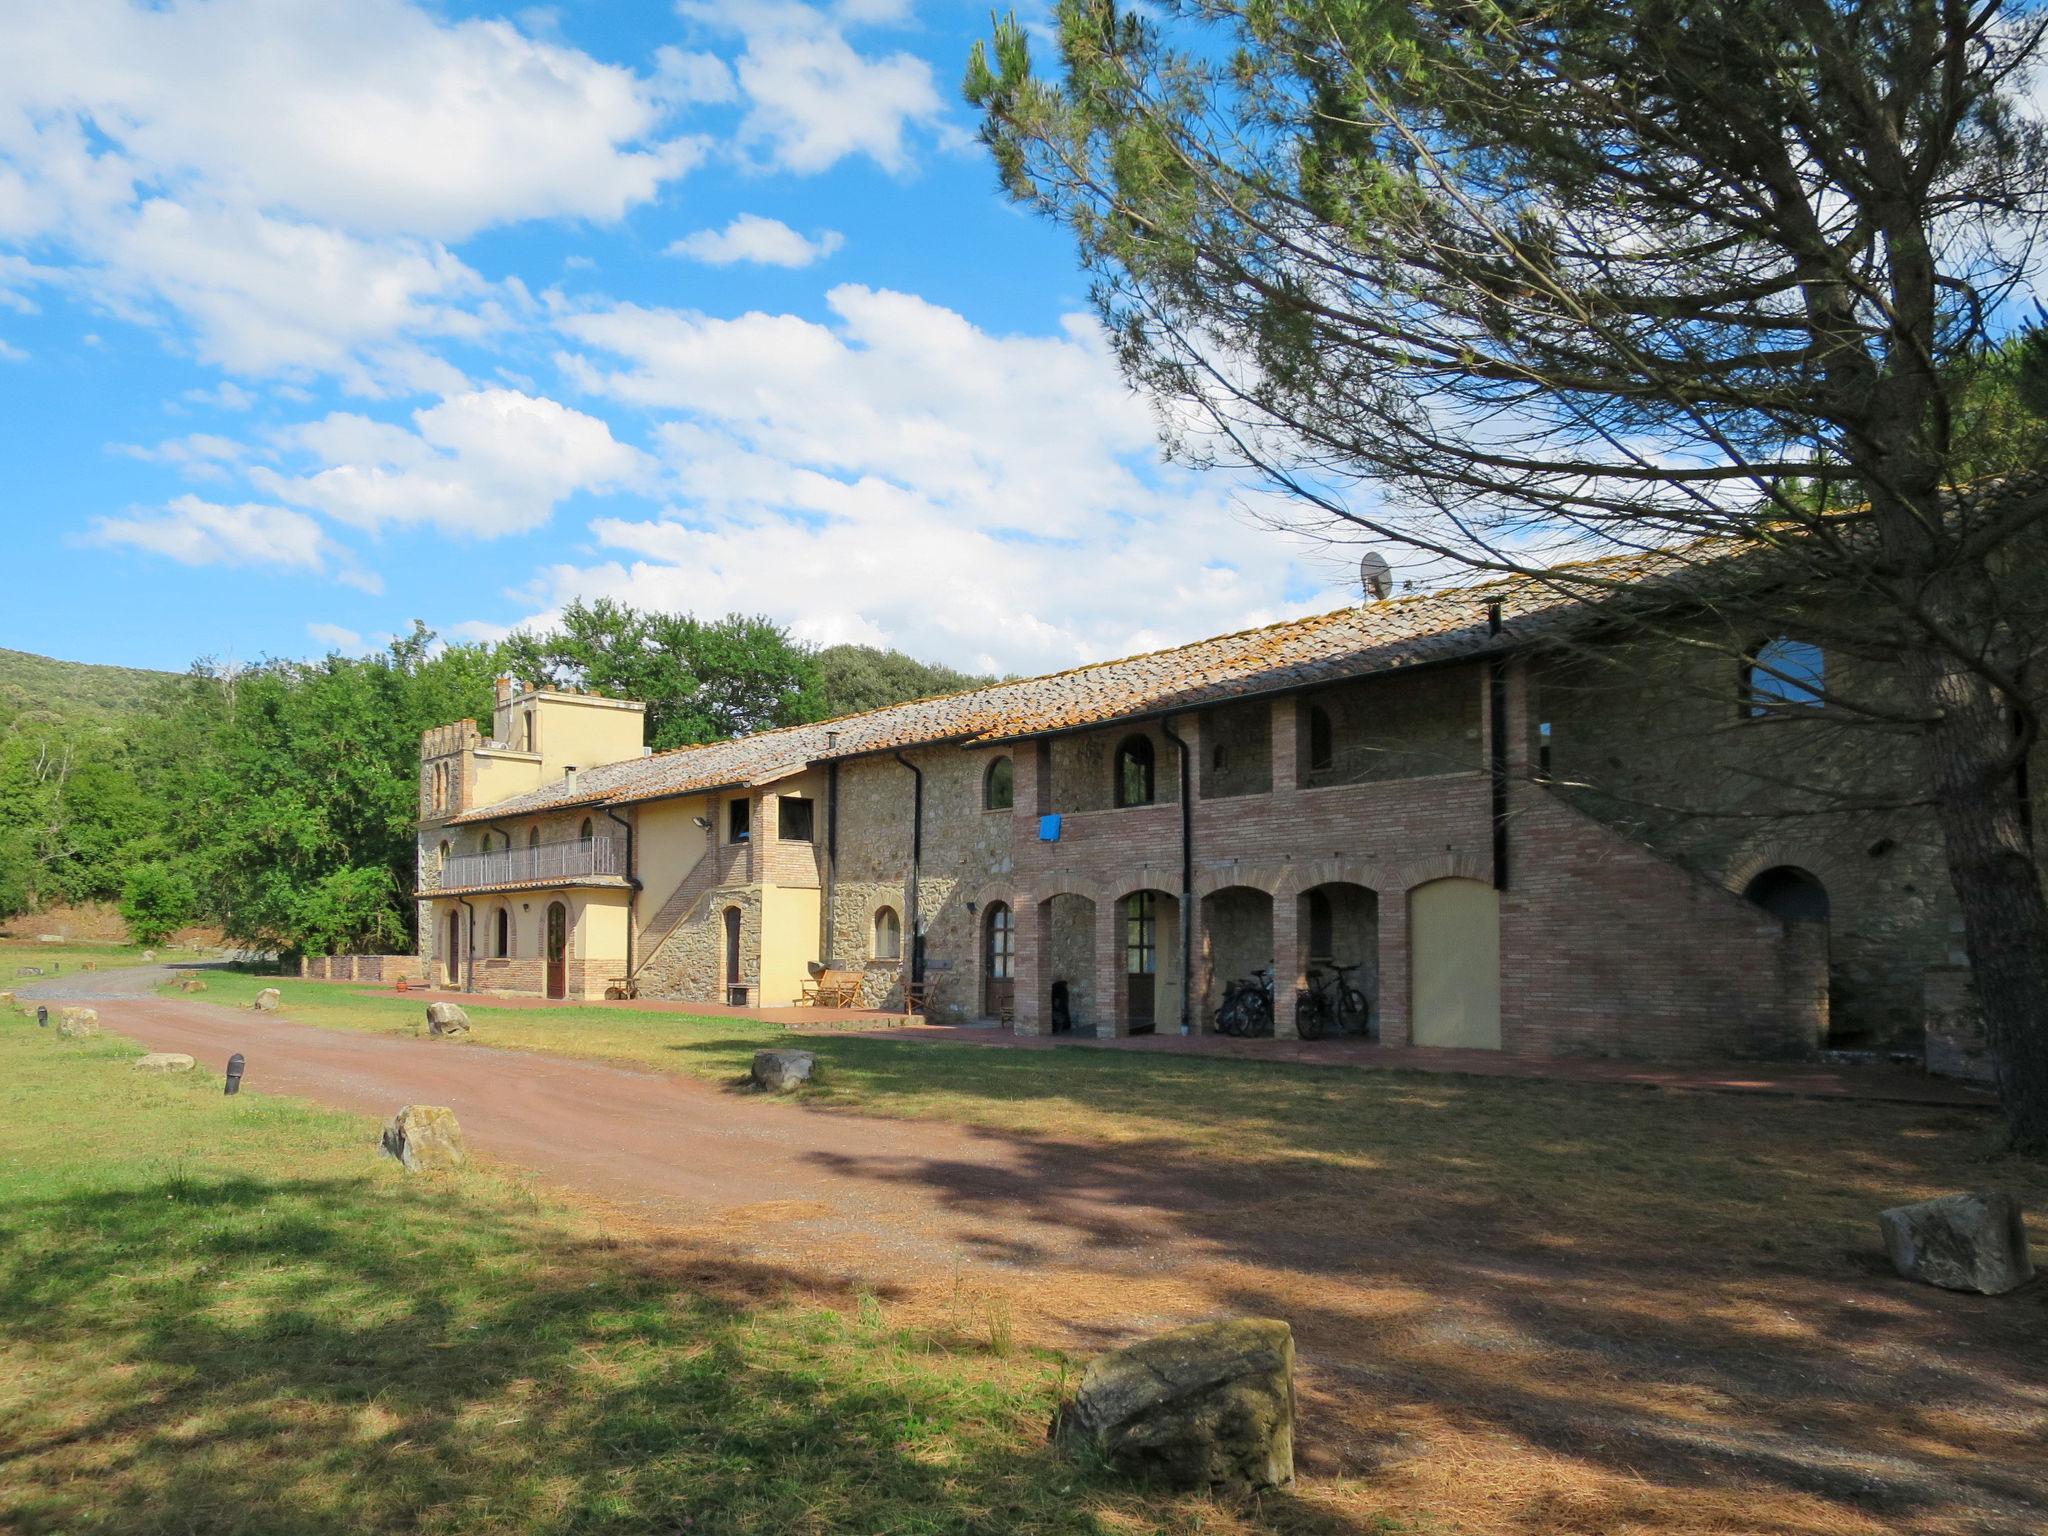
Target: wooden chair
835	989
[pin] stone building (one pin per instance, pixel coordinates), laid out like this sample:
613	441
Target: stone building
1509	832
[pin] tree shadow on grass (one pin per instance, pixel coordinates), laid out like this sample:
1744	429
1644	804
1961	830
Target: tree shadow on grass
245	1355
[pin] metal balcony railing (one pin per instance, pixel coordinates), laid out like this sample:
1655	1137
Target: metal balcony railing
510	866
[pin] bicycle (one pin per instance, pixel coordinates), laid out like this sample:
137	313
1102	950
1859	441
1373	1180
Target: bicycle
1247	1007
1331	1005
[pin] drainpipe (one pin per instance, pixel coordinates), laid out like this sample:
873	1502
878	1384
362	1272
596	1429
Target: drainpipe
916	863
1187	877
632	891
1497	748
831	882
469	957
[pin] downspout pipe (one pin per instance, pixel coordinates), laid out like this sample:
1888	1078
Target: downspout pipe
916	865
1187	876
632	894
827	921
1497	748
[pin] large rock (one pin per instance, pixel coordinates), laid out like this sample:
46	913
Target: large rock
447	1019
78	1023
423	1137
783	1071
1210	1406
269	1000
165	1061
1962	1242
149	957
191	983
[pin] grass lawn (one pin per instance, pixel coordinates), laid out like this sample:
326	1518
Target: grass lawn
232	1315
67	959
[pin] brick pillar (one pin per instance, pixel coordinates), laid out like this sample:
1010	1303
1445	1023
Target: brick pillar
1287	960
1202	972
1027	994
1285	743
1111	1015
1393	998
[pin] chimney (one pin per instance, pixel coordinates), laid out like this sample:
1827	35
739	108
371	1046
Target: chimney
569	777
505	688
831	741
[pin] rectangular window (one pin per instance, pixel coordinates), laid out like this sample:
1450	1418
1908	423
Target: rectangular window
1141	935
738	821
793	820
1543	746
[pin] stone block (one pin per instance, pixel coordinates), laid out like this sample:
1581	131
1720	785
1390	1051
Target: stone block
165	1061
783	1071
447	1019
1973	1242
424	1137
1210	1406
78	1023
269	1000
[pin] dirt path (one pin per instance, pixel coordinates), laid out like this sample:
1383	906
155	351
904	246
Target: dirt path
672	1149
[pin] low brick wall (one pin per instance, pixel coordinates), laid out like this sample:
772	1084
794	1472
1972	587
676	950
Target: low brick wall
383	970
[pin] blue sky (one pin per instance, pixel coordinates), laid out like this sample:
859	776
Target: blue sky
317	318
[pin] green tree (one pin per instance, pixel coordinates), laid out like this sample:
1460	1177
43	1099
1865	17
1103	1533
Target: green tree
853	678
1502	281
157	900
701	680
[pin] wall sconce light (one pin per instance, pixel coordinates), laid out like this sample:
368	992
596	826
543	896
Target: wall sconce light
973	907
703	823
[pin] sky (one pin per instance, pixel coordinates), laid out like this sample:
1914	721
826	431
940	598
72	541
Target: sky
319	318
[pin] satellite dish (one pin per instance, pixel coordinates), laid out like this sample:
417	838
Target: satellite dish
1375	576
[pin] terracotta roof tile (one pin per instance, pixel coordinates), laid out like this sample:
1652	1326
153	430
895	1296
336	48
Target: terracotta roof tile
1324	648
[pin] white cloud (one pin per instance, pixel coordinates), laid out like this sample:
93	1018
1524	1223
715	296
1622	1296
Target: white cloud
813	99
284	176
226	395
195	532
901	476
483	463
9	352
752	238
335	637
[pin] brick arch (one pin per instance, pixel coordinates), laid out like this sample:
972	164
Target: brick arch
1273	879
1439	866
1344	869
1754	858
1064	882
988	891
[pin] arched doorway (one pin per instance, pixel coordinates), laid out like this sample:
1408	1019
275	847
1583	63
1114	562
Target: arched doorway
998	960
558	951
1339	924
1454	963
1786	891
735	987
452	960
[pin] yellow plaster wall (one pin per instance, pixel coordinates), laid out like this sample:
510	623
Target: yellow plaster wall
789	942
572	730
499	776
668	845
600	928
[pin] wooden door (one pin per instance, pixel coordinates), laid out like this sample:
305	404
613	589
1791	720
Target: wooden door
735	987
999	960
1141	960
558	950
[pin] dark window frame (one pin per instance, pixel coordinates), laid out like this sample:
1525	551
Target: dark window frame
795	819
1003	798
1135	759
739	821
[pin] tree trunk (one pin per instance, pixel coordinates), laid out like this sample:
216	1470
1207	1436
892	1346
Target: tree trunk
1997	883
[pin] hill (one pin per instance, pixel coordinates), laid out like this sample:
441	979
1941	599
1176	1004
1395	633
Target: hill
74	690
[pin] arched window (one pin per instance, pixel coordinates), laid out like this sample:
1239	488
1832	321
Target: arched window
1783	674
440	794
533	837
1322	740
527	738
999	788
888	935
1134	771
586	832
446	849
501	933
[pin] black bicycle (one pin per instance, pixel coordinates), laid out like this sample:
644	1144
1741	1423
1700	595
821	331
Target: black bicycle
1247	1007
1330	1005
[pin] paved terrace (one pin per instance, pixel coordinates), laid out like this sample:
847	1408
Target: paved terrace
1872	1082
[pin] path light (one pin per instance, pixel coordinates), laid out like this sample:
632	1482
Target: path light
234	1073
43	1017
